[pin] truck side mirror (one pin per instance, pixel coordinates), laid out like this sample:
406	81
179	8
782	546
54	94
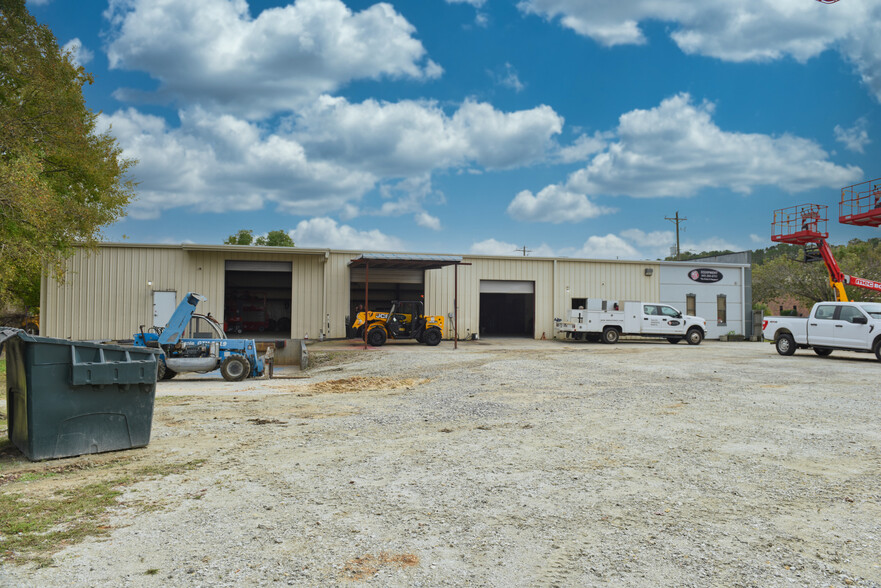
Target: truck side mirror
859	320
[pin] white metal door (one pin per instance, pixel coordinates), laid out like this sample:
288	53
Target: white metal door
821	328
164	304
848	333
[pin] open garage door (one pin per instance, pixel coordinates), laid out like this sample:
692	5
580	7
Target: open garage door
385	285
507	308
257	302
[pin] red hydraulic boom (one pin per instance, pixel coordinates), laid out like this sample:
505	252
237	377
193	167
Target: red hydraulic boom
806	224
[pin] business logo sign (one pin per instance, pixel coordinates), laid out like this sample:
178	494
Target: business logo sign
705	275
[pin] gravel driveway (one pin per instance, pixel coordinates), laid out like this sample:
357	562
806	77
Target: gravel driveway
506	463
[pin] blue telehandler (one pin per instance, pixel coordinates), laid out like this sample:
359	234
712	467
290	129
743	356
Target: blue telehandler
193	342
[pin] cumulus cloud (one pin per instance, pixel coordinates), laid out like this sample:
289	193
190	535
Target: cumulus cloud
582	148
495	247
412	137
607	247
217	163
212	52
78	52
856	137
325	232
325	159
752	30
554	204
675	149
507	76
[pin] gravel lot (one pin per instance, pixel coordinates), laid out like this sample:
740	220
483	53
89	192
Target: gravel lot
505	463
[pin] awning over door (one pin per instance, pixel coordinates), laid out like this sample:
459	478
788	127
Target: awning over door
403	261
388	276
507	287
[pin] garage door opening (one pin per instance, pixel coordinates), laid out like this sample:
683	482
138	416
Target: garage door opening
385	285
507	308
257	302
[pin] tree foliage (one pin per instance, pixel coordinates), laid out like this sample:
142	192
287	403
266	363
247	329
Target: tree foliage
277	238
60	180
784	273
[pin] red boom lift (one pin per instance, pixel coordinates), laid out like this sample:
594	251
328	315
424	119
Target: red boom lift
805	224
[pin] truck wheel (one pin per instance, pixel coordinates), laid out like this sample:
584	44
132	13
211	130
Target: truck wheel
377	337
822	351
674	340
234	368
610	335
694	337
878	349
785	344
432	337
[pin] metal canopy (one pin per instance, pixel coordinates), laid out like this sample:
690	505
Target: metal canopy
404	261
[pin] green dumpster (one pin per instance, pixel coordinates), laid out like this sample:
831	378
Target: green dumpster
67	398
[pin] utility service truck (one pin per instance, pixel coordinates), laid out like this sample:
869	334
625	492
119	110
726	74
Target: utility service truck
851	326
607	320
196	343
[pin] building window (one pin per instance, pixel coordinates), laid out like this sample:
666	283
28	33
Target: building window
691	304
721	309
579	303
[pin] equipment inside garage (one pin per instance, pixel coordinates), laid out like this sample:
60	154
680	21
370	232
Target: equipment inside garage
507	307
257	300
385	285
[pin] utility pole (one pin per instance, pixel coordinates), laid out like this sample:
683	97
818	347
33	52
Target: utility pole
676	219
523	250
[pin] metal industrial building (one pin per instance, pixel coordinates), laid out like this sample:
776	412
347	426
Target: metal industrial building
309	293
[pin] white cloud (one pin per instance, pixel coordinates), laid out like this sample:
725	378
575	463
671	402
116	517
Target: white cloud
495	247
554	204
413	137
423	219
583	147
856	137
212	52
507	76
326	159
675	149
217	163
749	30
607	247
474	3
78	52
757	240
327	233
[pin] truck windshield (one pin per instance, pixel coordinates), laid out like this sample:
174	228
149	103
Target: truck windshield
872	308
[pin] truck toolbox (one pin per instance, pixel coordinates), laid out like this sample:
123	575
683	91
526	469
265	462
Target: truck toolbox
67	398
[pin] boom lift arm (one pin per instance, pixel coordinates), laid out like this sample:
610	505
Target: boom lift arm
806	224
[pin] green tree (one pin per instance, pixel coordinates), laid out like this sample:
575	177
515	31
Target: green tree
243	237
60	180
276	239
272	239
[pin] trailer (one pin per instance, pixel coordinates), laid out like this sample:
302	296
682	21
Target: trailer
607	320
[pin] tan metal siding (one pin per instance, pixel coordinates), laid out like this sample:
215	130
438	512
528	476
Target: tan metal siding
338	285
605	280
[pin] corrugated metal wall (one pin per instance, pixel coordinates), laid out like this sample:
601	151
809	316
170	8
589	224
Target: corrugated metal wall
107	294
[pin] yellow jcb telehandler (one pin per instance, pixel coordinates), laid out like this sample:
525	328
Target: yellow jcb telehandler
405	320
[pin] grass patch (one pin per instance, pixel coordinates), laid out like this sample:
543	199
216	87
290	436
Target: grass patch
33	528
3	368
35	525
167	469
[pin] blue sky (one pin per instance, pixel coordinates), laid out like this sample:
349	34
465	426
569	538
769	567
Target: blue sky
571	127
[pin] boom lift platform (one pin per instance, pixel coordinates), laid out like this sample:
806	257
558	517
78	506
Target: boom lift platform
861	204
805	224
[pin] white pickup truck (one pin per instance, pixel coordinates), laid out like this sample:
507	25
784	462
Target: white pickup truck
606	320
852	326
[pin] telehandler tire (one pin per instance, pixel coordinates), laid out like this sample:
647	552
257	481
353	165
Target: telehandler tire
235	368
376	337
432	337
